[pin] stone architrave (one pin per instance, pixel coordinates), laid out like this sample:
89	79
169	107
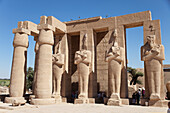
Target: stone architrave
58	64
115	59
153	54
17	80
43	86
83	60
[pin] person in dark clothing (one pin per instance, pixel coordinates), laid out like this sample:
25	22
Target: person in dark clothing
138	96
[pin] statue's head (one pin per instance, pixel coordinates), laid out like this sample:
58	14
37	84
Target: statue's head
151	39
84	42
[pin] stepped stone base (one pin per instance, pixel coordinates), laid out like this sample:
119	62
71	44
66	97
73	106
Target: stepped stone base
122	101
43	101
84	101
113	102
15	100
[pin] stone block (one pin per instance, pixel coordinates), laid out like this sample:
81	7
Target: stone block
124	101
158	103
84	101
64	99
46	101
21	30
113	102
46	26
15	100
57	24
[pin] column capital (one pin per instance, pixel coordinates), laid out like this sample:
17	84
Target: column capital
46	26
21	30
20	40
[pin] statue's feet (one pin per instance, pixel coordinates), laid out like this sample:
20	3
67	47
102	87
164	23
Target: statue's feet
155	96
81	95
56	95
115	96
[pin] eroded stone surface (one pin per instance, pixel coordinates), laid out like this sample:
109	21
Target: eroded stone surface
153	54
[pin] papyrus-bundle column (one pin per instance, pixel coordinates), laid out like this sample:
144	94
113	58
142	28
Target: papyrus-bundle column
43	85
18	71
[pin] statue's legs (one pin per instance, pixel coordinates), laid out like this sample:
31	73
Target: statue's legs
80	85
157	83
114	79
85	85
58	88
112	84
117	82
54	85
151	82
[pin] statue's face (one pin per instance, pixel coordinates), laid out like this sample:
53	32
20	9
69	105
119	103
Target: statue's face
151	39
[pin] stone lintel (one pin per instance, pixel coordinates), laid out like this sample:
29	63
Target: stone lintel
84	20
31	28
21	30
46	26
59	26
134	19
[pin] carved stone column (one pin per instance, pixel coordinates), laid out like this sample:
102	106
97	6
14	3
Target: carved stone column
43	86
18	71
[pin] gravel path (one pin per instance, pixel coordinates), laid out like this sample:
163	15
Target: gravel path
87	108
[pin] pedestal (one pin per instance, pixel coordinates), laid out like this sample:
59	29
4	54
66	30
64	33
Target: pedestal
159	103
15	99
123	101
84	101
43	101
58	99
113	102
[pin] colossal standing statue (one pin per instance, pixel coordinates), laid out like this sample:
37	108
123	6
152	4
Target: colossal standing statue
83	60
153	54
58	64
115	59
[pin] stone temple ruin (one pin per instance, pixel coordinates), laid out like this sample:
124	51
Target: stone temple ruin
88	56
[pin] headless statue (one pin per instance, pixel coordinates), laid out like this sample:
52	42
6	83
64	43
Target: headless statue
115	59
83	60
58	64
153	54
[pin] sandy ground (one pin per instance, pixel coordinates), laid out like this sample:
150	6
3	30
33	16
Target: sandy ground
87	108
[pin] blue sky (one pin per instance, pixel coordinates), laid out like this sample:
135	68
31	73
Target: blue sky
12	11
